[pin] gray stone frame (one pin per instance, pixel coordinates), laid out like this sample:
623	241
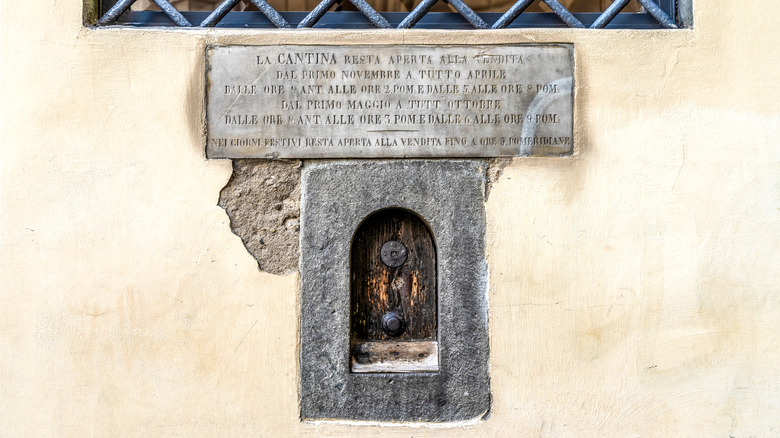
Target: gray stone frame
449	196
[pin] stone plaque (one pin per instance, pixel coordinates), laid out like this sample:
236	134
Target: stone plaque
389	101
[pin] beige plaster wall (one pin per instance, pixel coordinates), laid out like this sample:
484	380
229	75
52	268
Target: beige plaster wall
634	291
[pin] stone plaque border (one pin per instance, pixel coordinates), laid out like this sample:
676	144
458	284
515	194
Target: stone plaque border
256	125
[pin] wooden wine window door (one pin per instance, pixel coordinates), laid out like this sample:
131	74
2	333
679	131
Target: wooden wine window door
393	295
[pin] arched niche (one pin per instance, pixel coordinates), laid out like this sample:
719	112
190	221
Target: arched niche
393	294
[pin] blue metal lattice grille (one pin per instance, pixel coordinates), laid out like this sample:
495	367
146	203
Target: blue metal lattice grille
657	14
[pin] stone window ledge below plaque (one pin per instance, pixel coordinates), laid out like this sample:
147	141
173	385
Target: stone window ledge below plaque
449	196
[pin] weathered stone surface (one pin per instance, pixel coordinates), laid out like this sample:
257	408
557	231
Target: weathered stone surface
449	196
389	101
262	200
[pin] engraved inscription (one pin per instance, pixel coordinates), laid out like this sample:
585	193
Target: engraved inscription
389	101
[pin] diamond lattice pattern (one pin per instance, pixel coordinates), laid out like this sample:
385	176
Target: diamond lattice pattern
563	12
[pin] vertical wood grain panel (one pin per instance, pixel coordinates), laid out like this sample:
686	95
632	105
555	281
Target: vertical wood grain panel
409	289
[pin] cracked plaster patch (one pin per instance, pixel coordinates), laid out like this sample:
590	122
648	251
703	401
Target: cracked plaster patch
262	200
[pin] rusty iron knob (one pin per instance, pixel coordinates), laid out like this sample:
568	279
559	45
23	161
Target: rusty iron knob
393	324
393	254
